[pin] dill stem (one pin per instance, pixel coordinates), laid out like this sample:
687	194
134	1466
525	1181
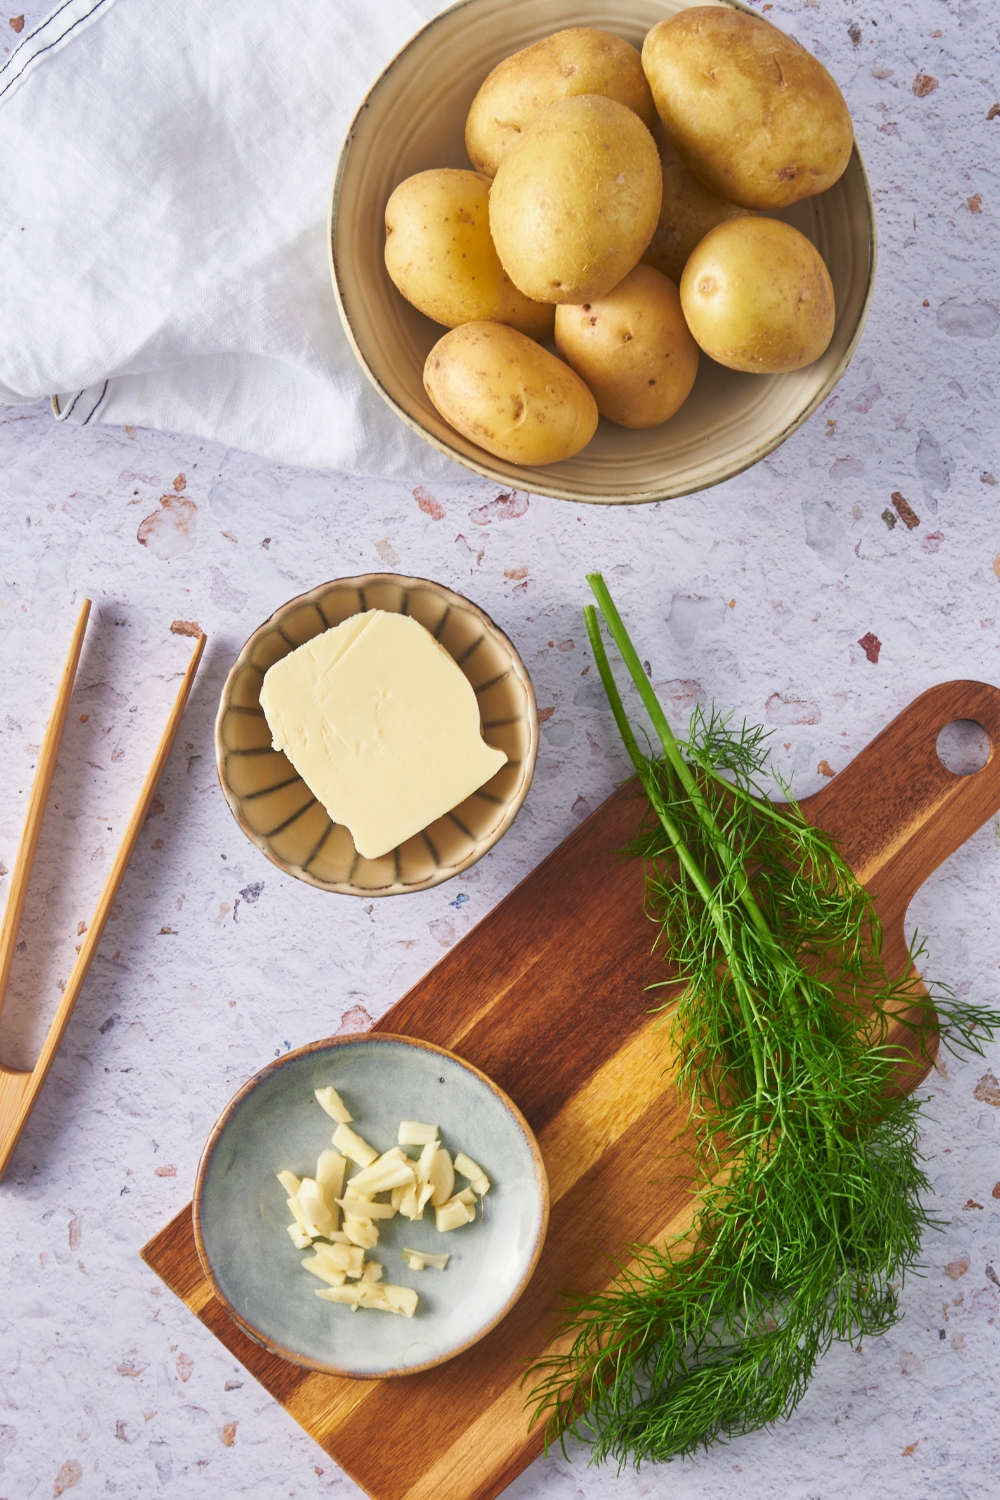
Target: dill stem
638	675
684	855
728	857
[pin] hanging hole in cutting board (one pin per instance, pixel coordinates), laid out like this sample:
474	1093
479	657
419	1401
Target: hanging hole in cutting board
963	747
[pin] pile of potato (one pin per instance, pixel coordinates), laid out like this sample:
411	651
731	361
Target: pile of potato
615	208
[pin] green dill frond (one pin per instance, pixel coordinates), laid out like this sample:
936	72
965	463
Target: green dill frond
810	1207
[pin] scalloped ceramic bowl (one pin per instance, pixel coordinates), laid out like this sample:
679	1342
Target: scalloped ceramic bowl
414	119
274	1123
278	812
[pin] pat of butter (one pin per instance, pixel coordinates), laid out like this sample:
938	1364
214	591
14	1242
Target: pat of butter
382	726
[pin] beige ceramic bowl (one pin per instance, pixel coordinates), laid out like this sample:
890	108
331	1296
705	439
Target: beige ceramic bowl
414	119
275	808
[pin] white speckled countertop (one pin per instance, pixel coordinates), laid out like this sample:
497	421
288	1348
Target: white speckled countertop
757	594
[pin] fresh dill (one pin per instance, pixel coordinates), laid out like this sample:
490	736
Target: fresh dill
808	1211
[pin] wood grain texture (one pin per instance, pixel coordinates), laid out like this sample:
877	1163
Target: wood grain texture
548	996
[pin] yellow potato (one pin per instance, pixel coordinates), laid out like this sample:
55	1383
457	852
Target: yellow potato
753	114
633	349
758	297
509	395
439	253
688	212
579	61
575	203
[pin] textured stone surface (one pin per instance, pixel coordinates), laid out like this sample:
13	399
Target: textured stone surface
787	595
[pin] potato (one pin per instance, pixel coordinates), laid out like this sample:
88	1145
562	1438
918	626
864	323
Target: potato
753	114
439	253
632	348
579	61
758	297
689	210
509	395
575	203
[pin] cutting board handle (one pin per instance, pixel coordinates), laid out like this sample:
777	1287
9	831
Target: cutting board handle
897	811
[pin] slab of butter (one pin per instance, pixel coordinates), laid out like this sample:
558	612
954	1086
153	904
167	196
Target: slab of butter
381	725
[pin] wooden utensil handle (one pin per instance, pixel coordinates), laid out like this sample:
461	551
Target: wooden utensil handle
18	1091
897	811
119	865
25	857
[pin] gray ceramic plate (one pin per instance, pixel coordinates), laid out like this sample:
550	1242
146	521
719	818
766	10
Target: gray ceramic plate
274	1122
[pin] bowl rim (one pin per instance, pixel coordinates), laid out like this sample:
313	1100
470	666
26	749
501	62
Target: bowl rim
552	488
361	581
325	1044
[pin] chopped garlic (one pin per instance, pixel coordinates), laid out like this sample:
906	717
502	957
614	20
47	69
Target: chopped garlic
361	1232
422	1170
392	1157
466	1167
402	1299
300	1218
330	1171
312	1201
414	1199
348	1295
417	1260
411	1183
348	1258
408	1206
335	1107
453	1214
382	1176
350	1143
377	1294
423	1198
366	1208
442	1177
324	1270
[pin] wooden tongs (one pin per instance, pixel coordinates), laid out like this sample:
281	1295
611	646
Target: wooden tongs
18	1091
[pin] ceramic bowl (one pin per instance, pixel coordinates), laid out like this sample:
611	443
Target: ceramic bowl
278	812
414	119
274	1123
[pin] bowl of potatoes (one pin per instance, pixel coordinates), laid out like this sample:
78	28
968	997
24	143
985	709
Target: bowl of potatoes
605	250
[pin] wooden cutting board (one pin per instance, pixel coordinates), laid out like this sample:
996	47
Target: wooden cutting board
547	995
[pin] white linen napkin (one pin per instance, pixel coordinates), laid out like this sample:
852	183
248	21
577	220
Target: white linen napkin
165	172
